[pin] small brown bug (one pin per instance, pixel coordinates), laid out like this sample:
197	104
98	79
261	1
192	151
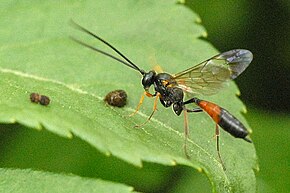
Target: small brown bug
116	98
41	99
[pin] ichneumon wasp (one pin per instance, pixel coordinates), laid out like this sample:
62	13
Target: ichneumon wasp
205	78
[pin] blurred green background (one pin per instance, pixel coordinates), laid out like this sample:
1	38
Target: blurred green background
260	26
263	28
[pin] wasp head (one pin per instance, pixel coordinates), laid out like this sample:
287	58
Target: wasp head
148	79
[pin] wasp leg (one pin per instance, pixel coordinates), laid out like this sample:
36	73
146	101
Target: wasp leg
154	109
139	105
186	127
193	100
217	132
195	110
186	132
141	101
217	135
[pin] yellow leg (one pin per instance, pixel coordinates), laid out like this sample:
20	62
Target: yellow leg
139	105
154	109
156	102
140	102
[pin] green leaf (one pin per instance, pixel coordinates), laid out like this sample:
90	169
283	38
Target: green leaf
16	180
271	128
36	55
44	151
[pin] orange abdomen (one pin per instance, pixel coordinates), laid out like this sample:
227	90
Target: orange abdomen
212	109
224	119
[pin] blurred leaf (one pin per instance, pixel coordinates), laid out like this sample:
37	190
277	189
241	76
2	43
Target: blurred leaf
272	141
191	182
37	56
44	151
16	180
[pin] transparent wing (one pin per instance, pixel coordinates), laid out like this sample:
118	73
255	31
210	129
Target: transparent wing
209	76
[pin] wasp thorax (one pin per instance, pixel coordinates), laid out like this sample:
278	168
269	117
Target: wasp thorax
148	79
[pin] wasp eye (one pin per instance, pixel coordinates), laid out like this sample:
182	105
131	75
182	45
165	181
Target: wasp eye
148	79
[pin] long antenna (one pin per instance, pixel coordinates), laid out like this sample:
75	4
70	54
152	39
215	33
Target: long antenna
130	63
102	52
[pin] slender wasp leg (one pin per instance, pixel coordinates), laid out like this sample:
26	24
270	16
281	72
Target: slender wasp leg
217	135
154	108
186	132
186	127
141	101
214	111
195	110
139	104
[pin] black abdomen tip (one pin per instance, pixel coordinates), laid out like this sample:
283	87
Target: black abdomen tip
232	125
248	140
